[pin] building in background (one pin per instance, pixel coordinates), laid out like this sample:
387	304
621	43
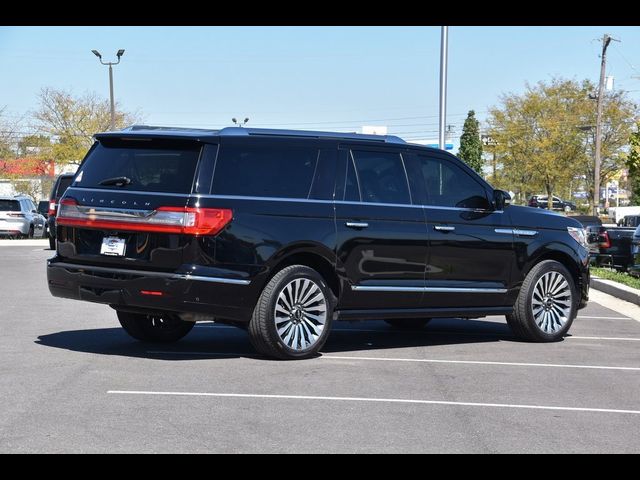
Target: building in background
30	176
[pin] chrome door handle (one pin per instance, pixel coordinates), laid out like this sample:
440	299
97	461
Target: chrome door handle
444	228
357	224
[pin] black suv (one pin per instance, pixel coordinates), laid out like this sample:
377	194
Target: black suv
61	185
284	232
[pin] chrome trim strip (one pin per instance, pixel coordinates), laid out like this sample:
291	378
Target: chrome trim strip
385	288
525	233
284	199
517	231
199	278
168	276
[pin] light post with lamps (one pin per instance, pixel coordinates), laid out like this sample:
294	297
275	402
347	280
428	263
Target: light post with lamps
113	108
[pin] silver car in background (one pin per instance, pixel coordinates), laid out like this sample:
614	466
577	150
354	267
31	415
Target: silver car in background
19	218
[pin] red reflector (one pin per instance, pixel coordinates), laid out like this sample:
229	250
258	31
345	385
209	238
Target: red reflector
153	293
52	208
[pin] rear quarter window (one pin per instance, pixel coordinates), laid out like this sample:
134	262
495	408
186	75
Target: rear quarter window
265	169
152	166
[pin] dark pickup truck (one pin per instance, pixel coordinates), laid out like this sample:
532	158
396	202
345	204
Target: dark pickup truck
608	246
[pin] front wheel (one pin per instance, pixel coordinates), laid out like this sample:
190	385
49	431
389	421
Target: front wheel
154	328
546	305
293	315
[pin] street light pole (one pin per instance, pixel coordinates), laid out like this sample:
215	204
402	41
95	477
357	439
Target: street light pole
111	99
444	45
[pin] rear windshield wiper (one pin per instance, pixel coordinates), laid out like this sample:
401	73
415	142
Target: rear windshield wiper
117	181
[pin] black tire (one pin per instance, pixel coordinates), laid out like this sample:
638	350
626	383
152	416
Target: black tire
154	328
31	232
263	333
52	243
408	323
522	321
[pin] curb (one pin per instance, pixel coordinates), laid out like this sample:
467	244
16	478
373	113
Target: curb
617	290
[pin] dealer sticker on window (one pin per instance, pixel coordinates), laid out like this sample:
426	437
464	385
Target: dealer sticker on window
113	246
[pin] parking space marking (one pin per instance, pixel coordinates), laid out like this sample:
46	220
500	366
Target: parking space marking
432	332
374	400
411	360
480	362
604	318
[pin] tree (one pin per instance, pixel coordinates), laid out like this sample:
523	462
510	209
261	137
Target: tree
470	143
72	121
536	138
618	117
633	164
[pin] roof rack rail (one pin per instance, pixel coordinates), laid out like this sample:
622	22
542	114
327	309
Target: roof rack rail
237	131
134	128
268	132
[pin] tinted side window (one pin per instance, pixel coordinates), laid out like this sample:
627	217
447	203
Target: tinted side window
265	170
381	177
448	185
352	190
63	184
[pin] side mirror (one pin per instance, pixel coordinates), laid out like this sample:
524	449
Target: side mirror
501	199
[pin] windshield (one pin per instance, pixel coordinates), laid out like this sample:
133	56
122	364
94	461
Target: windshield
158	166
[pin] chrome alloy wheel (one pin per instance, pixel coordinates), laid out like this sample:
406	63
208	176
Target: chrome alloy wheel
300	313
551	302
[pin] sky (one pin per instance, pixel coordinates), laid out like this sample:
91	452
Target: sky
318	78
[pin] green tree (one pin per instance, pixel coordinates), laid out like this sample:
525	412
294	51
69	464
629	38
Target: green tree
536	138
71	121
33	145
618	117
470	143
633	164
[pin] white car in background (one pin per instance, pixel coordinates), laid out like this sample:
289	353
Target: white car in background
19	218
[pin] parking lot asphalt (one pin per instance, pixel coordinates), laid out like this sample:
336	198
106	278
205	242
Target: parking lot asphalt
72	381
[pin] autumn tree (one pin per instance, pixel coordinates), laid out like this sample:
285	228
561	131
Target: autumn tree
535	137
633	164
470	143
71	121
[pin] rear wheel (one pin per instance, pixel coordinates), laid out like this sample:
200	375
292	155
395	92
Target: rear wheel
293	315
546	305
408	323
164	328
31	232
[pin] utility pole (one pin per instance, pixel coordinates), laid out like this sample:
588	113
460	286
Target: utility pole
444	46
112	101
606	40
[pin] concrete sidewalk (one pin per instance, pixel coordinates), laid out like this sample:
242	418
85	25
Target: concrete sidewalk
35	242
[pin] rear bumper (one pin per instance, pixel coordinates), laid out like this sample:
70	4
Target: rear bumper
14	226
224	298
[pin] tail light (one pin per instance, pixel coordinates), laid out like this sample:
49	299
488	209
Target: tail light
604	240
182	220
52	208
16	215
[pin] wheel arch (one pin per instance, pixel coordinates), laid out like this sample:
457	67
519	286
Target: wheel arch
315	256
562	255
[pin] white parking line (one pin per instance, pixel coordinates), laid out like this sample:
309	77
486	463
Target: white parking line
604	318
411	360
432	332
374	400
479	362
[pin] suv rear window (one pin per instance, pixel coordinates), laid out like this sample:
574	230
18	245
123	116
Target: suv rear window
152	166
263	170
9	206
